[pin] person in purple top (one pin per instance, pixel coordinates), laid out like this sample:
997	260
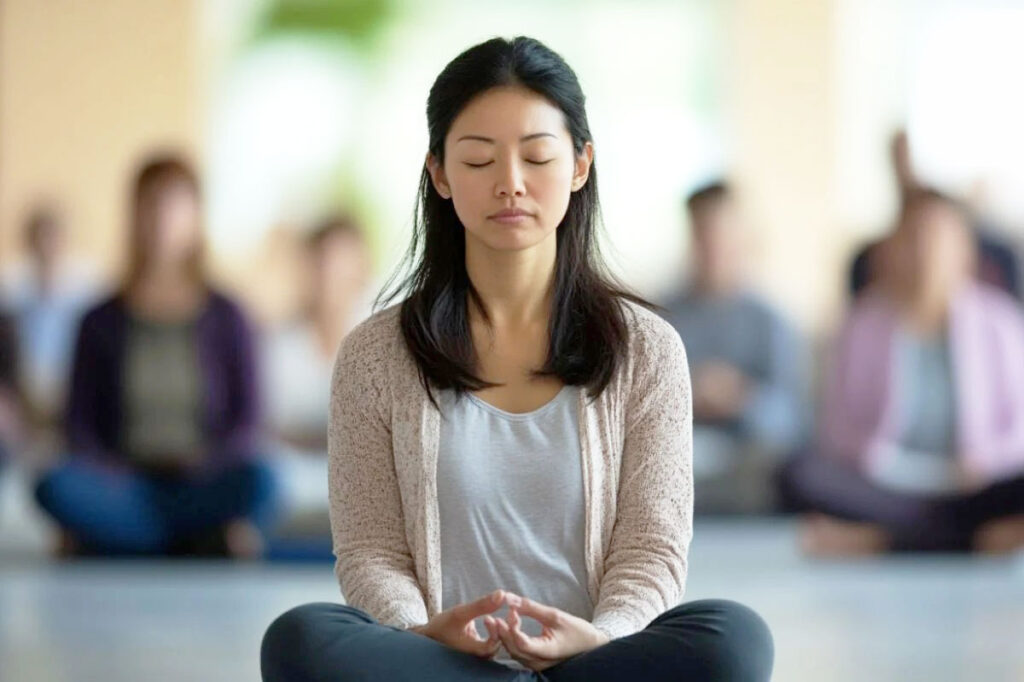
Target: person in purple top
163	414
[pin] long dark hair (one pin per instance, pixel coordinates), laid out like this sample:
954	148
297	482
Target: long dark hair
587	330
155	174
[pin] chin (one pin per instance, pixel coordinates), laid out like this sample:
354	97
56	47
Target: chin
509	239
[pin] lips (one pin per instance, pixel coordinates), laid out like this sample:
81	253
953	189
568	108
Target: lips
509	213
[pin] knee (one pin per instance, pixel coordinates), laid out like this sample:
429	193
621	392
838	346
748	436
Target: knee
257	480
43	491
291	639
797	480
739	646
48	489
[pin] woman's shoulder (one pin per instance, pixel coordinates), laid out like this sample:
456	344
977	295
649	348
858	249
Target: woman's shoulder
993	297
656	351
223	304
991	306
109	308
649	331
373	340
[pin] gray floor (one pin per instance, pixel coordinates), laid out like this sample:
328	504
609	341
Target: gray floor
894	619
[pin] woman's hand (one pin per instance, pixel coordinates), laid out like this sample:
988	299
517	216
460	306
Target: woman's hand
455	627
563	636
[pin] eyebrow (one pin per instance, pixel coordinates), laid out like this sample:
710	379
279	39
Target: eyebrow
524	138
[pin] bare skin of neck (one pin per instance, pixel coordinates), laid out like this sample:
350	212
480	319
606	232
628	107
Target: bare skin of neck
45	272
926	306
515	286
168	293
516	290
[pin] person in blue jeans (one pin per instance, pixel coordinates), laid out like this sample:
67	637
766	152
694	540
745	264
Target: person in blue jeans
163	410
510	448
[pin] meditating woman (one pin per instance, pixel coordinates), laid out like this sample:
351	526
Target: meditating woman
511	445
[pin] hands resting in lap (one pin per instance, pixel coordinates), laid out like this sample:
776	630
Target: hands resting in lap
563	636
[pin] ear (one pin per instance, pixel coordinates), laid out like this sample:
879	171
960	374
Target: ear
582	169
437	176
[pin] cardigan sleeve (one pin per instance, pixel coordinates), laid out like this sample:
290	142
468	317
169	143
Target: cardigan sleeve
374	566
236	343
1002	449
645	568
86	404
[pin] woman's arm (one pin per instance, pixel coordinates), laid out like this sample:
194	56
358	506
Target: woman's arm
374	566
240	437
645	570
855	391
1002	450
85	399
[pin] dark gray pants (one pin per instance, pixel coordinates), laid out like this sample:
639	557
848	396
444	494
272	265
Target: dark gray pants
703	641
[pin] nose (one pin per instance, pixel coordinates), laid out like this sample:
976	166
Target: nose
510	180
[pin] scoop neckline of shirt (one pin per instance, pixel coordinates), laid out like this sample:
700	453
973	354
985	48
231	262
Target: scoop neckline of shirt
519	416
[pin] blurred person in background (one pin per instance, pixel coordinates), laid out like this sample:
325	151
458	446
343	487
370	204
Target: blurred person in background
744	359
996	263
47	295
163	412
922	436
297	362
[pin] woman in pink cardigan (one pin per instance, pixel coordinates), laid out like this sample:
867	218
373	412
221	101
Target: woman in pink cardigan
510	448
922	436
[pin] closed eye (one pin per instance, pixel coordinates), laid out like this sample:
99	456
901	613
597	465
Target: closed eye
488	163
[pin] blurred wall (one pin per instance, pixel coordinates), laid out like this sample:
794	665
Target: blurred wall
85	88
780	105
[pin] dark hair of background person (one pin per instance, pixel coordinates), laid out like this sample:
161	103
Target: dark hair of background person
334	224
708	195
587	331
154	175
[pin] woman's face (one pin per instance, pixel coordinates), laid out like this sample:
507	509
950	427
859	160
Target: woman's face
939	246
510	150
170	222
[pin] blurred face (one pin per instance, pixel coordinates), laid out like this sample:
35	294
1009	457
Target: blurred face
340	265
169	219
717	244
47	240
938	245
509	168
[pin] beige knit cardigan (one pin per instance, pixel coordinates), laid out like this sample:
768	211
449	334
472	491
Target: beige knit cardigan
636	449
